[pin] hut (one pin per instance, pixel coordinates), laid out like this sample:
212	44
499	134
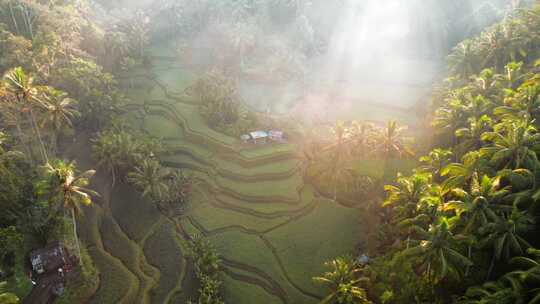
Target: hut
51	258
275	135
259	136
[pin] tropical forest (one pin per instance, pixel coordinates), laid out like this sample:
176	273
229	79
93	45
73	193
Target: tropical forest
270	151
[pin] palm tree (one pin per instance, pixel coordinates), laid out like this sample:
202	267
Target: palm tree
530	272
464	61
450	117
521	105
22	86
179	187
523	185
69	191
150	178
339	173
115	151
12	115
341	138
507	290
459	174
391	144
390	141
504	235
343	282
435	161
59	114
470	136
406	195
512	145
476	206
335	168
362	137
311	146
436	251
486	84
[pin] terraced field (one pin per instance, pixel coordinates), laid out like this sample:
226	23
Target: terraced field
272	230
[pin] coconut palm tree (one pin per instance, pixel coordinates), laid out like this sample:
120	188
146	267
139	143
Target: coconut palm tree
512	145
116	150
507	290
362	137
405	196
343	281
529	272
459	174
486	84
521	105
59	114
435	161
22	86
179	186
150	177
391	143
464	61
470	137
475	207
450	117
12	115
504	235
523	186
436	250
69	191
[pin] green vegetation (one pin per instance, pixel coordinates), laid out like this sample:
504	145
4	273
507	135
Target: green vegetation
207	264
164	253
120	130
462	222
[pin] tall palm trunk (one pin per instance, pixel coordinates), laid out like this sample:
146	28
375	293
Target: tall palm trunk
13	18
490	267
29	24
76	237
36	130
25	145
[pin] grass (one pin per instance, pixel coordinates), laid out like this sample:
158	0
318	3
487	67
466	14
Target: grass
267	150
117	284
161	127
132	212
249	293
196	123
375	167
251	250
117	244
163	252
231	169
227	200
215	218
285	190
305	244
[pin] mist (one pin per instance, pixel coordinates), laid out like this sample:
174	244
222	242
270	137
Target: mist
327	60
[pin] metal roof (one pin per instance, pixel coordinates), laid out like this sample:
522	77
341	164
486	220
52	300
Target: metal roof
258	134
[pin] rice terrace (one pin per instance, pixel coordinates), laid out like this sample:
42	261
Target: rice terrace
272	152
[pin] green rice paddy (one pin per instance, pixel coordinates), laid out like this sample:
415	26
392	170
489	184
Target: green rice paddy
272	230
